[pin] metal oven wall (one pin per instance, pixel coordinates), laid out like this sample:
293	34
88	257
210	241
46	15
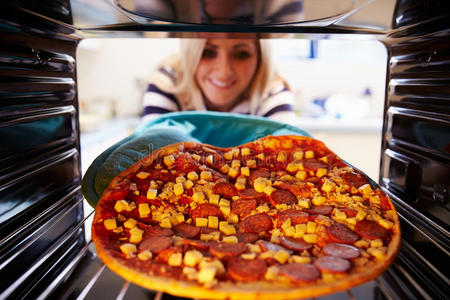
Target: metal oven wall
40	197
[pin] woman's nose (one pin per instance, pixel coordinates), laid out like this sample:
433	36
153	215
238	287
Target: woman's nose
224	65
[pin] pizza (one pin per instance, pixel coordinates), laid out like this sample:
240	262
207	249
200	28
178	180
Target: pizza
281	217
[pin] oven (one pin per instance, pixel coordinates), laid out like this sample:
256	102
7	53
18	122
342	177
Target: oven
45	251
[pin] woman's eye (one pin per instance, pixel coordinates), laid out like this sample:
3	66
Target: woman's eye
242	55
209	53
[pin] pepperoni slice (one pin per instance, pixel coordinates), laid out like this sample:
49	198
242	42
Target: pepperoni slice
205	210
221	249
301	273
370	230
256	223
187	231
157	231
185	163
342	234
321	210
156	244
224	189
297	216
258	173
246	269
282	197
268	246
247	237
295	244
250	193
355	179
333	264
243	207
314	164
301	190
198	244
341	250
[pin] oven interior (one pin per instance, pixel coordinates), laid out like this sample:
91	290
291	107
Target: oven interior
44	249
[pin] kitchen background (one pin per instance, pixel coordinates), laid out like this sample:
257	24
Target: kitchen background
339	86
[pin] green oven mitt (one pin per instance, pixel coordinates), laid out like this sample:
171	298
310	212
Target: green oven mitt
214	128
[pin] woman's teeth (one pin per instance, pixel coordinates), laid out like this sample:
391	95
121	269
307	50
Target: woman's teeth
221	83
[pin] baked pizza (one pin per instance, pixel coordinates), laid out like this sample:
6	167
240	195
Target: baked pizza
281	217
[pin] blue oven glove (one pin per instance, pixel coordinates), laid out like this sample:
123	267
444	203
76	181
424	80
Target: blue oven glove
214	128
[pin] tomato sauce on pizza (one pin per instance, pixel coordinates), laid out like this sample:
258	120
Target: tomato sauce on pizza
279	217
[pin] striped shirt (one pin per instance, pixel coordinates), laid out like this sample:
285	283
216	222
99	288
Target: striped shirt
277	105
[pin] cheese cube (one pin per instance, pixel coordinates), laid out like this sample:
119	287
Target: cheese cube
300	259
239	186
268	190
198	197
282	206
233	172
120	205
260	184
196	157
292	167
228	155
245	151
304	203
248	256
263	208
179	218
169	160
175	259
321	172
210	159
266	254
191	273
188	184
376	243
230	239
251	163
361	215
235	164
286	223
328	186
166	223
352	221
130	223
224	202
206	237
366	189
142	175
310	238
301	175
318	200
214	199
281	157
193	176
271	273
201	222
377	253
236	152
311	227
144	255
245	171
276	232
254	248
192	258
178	189
128	249
339	215
216	264
226	210
144	210
206	275
233	218
136	235
261	156
298	155
118	229
361	244
309	154
205	175
275	239
228	229
281	256
289	231
152	193
180	179
213	222
385	223
225	169
110	224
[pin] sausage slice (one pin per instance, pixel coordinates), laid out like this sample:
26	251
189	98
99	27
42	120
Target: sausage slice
333	264
370	230
246	270
156	244
301	273
342	234
341	250
256	224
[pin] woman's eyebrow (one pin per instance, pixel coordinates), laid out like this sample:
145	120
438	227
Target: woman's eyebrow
241	46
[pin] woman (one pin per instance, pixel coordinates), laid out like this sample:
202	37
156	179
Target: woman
228	75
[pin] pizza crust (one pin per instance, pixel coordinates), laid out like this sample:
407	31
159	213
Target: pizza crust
229	290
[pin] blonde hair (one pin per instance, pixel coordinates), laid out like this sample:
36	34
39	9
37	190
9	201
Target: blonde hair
186	89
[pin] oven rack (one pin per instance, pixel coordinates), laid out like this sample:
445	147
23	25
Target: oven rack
86	277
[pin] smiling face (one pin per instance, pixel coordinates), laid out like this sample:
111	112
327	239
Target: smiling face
225	70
